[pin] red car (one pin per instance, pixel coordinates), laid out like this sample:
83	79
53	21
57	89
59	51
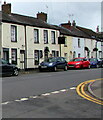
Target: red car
79	63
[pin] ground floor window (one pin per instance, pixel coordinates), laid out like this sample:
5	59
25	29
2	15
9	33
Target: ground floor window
6	54
38	54
14	56
55	53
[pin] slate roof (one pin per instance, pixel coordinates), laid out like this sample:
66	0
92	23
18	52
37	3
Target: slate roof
89	32
26	20
64	31
75	31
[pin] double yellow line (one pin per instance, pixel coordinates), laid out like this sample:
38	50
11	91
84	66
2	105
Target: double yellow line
81	91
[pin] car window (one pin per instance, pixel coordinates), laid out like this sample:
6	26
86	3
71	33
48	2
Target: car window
84	59
50	60
76	60
93	59
4	61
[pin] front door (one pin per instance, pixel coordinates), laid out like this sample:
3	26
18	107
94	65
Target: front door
22	59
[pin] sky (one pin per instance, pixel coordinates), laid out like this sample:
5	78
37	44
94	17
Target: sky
86	14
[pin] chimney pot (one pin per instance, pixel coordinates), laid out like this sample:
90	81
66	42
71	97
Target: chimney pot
73	23
69	23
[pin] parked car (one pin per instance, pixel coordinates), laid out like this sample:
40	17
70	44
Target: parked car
7	68
53	63
95	62
79	63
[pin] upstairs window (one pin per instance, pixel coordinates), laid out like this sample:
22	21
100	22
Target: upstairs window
36	36
53	37
13	33
45	36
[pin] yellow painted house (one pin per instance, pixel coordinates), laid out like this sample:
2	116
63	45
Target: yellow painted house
66	46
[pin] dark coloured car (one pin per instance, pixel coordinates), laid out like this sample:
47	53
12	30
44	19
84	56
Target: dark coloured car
95	62
8	68
80	62
53	63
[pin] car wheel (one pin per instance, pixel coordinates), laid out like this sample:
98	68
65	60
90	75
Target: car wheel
65	68
15	72
55	69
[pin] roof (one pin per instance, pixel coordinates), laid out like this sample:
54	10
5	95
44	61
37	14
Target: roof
89	32
25	20
64	31
75	31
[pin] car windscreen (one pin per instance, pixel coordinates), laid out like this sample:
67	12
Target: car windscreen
76	60
50	60
93	59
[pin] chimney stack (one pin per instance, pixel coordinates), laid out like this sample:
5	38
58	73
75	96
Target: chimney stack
6	8
74	23
42	16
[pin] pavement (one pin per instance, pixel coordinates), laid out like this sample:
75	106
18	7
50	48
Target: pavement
96	88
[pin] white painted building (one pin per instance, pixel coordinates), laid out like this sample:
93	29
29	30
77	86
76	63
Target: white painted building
26	41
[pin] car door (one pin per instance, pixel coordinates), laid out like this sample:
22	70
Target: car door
6	68
85	62
61	63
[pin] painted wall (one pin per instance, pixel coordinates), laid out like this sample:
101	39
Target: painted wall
78	49
66	49
31	46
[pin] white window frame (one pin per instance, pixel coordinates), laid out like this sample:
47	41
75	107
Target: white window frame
53	37
13	33
36	36
45	36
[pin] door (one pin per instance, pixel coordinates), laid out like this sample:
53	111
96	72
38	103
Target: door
61	63
22	59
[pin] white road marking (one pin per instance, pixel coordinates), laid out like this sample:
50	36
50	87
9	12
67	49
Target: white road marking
55	92
34	97
46	94
5	103
64	90
73	88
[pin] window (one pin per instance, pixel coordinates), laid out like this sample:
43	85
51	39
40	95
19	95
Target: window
45	36
13	33
37	55
55	53
14	56
36	36
79	43
65	45
102	43
53	37
78	54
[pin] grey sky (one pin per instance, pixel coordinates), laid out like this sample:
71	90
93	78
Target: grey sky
86	14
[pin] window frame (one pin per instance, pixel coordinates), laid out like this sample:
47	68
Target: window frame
53	39
36	35
15	56
13	33
45	36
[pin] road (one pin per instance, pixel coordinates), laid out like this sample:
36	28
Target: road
48	95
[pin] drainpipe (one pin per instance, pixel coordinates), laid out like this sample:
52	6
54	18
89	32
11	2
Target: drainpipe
25	60
96	47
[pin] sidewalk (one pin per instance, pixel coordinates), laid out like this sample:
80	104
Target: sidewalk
96	88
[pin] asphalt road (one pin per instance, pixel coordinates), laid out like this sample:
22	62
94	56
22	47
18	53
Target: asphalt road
48	95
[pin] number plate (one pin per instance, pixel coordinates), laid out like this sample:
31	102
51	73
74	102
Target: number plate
43	66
